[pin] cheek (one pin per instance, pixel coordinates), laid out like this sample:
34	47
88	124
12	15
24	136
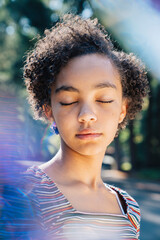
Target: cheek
65	122
60	113
113	111
111	122
111	119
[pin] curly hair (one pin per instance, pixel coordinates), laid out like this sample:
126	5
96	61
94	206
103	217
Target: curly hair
73	36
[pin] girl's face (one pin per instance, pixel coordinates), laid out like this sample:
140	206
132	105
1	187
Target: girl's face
87	104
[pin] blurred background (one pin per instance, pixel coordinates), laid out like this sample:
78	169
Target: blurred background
132	161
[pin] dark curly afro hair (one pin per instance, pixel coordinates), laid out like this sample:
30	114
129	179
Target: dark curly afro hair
72	37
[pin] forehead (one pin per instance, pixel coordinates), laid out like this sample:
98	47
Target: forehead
87	71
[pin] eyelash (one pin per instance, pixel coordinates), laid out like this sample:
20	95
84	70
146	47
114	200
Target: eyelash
67	104
105	101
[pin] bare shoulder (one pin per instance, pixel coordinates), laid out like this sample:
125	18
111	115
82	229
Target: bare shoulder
52	169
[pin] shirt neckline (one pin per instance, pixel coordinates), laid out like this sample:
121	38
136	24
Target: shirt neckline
81	212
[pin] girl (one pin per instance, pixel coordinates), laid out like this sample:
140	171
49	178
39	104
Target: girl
88	91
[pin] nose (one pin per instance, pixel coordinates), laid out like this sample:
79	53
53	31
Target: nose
86	114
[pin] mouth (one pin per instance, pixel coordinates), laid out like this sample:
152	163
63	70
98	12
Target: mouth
88	136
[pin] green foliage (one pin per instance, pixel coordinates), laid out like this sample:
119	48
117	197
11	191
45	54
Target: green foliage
20	21
20	24
149	174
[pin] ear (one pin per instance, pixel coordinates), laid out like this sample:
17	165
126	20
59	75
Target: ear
48	112
123	110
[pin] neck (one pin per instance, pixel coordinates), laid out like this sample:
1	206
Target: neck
82	168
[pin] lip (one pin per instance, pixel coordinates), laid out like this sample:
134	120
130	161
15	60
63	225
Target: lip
88	134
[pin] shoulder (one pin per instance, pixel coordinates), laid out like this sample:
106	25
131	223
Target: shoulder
41	188
45	196
132	207
37	180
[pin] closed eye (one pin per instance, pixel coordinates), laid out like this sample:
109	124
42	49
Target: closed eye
110	101
67	104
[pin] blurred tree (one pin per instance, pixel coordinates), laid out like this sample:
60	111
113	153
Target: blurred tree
20	23
153	126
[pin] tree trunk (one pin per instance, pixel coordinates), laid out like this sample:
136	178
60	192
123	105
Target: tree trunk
132	147
117	153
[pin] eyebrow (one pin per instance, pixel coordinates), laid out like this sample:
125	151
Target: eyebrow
66	88
105	85
73	89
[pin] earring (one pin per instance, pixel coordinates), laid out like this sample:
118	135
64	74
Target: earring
54	128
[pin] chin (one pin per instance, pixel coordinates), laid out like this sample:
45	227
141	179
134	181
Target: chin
91	150
87	148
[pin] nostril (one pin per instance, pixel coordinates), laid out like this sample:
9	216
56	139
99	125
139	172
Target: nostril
92	118
87	117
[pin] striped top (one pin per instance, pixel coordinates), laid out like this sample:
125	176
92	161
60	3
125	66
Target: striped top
60	221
